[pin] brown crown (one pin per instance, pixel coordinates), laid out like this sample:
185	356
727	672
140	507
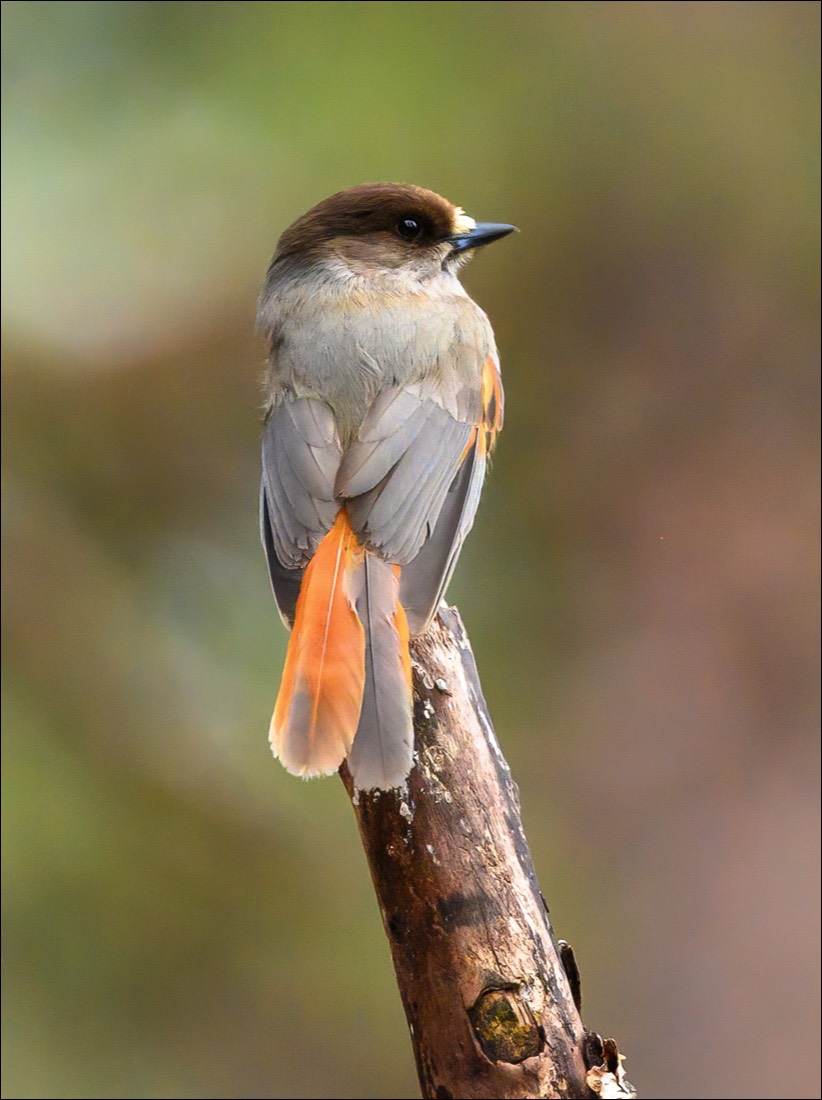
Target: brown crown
367	208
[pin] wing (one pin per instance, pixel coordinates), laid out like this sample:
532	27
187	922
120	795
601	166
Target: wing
412	482
425	579
301	457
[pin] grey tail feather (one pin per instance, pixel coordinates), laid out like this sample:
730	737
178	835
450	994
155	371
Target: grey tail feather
383	749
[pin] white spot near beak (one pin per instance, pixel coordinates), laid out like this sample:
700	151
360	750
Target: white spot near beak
462	222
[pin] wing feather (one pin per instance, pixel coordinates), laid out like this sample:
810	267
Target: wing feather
301	455
412	481
395	482
425	579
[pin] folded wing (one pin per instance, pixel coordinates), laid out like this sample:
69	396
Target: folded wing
412	481
301	457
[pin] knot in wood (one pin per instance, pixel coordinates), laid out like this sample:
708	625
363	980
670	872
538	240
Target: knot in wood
504	1026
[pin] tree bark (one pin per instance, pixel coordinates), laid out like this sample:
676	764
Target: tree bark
487	999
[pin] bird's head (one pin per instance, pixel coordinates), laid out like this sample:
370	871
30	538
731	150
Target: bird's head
385	227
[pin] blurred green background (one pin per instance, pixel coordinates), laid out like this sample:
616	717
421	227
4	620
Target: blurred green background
183	919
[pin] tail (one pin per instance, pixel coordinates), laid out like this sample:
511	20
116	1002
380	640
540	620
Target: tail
320	698
383	750
347	670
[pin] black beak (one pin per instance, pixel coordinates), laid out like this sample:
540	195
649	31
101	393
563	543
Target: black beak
482	233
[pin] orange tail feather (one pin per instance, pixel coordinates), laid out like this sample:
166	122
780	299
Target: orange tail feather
318	708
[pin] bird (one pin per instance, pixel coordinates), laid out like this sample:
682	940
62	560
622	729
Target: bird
382	404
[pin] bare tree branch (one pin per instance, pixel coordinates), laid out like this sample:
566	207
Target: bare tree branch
488	1001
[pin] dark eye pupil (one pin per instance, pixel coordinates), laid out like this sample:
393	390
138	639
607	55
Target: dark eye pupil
409	229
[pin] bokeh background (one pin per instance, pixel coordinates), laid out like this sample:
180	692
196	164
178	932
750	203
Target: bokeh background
183	919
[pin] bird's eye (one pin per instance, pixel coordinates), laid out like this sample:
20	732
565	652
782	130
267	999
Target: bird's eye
410	229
